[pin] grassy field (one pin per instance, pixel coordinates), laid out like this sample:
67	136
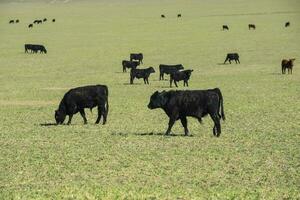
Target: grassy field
257	155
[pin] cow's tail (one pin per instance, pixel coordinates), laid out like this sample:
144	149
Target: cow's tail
221	106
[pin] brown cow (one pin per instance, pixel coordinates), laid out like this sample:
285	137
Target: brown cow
287	64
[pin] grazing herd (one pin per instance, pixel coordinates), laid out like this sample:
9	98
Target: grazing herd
251	26
37	21
164	16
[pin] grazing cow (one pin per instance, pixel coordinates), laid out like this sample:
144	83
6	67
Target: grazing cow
11	21
141	73
163	16
179	15
232	56
225	27
30	25
251	26
129	64
137	56
180	76
35	48
35	21
39	21
195	103
287	24
287	64
77	99
53	20
45	19
168	69
17	21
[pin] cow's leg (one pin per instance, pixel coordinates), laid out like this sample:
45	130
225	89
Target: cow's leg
82	113
70	119
171	80
184	124
217	125
225	60
171	123
131	79
99	114
147	79
175	82
235	61
229	61
145	82
187	83
238	61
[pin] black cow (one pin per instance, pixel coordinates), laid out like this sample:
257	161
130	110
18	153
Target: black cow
39	22
30	25
77	99
137	56
225	27
287	24
195	103
35	48
181	76
53	20
251	26
45	19
129	64
179	15
232	56
11	21
141	73
287	64
17	21
163	16
168	69
35	21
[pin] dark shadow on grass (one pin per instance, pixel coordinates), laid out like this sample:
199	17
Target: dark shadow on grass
162	134
48	124
273	73
132	84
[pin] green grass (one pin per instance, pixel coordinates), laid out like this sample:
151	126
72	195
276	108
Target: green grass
257	155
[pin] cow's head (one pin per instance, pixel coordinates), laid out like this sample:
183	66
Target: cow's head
151	70
59	117
158	100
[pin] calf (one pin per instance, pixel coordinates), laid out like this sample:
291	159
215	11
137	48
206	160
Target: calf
141	73
129	64
287	24
232	56
251	26
168	69
180	76
136	56
195	103
77	99
287	64
225	27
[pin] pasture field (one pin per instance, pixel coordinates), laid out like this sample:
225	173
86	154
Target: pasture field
257	155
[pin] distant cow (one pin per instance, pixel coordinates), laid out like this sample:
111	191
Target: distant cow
195	103
45	19
232	56
136	56
38	22
35	21
17	21
179	15
287	64
30	25
53	20
225	27
180	76
129	64
77	99
11	21
141	73
35	48
163	16
168	69
287	24
251	26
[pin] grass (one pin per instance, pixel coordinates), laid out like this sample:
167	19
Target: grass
257	155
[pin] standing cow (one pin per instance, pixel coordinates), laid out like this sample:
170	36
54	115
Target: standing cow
141	73
287	64
287	24
179	15
225	27
11	21
129	64
251	26
168	69
30	25
195	103
137	56
77	99
181	76
232	56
